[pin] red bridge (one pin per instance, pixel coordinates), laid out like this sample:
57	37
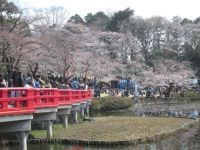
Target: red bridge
21	106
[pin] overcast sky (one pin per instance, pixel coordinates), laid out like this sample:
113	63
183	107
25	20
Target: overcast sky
145	8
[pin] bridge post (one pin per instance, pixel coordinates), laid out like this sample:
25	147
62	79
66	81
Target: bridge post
64	112
88	108
42	125
65	120
19	125
82	112
75	114
48	115
83	106
22	138
75	110
49	125
88	111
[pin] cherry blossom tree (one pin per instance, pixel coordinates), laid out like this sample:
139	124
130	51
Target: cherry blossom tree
16	41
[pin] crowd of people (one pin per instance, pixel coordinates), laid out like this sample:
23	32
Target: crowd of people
126	88
35	81
137	90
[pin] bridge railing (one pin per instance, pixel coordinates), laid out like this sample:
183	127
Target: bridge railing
73	96
44	97
15	101
65	97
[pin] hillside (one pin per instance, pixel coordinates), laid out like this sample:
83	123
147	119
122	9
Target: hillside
107	55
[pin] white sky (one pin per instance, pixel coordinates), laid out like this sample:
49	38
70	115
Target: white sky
145	8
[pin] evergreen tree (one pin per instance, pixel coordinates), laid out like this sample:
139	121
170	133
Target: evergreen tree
76	19
118	18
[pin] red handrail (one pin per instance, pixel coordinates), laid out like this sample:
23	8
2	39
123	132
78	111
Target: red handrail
45	98
14	101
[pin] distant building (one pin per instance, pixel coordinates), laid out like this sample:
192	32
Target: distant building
193	81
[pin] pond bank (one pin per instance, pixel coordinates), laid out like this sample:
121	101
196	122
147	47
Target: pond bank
180	109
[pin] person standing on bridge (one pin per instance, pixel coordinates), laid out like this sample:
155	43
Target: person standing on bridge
16	77
2	81
29	84
38	83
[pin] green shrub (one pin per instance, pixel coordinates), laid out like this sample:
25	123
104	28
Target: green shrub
110	103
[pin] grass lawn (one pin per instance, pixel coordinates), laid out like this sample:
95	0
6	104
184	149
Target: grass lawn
115	128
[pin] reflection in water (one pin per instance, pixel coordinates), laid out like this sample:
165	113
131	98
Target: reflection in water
185	141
